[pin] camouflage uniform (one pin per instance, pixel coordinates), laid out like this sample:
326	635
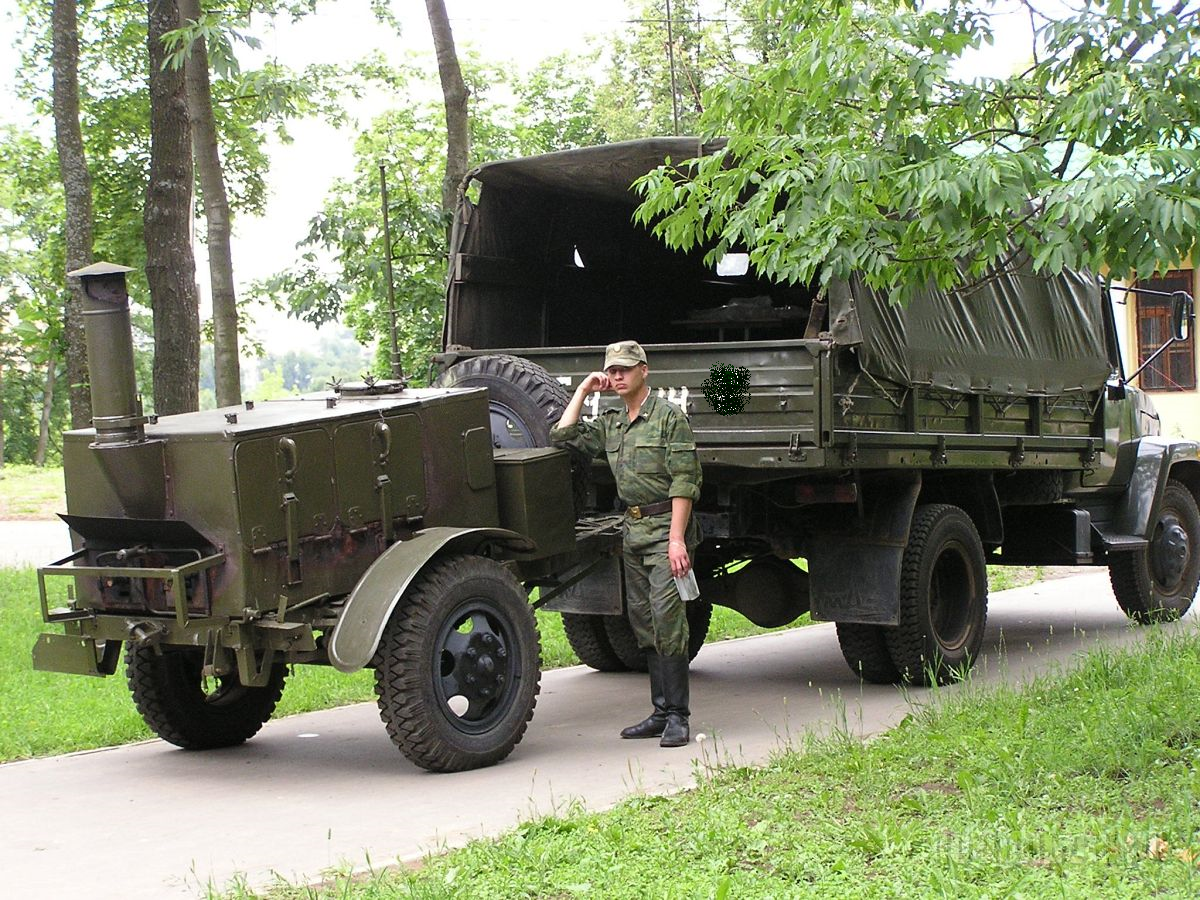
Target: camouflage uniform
652	458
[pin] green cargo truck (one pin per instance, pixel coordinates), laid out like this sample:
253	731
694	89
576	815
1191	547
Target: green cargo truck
897	450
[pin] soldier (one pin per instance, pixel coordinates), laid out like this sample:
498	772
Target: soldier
652	453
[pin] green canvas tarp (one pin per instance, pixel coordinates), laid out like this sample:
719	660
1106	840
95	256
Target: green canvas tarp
1013	333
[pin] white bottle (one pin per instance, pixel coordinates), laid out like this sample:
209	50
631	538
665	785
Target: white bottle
688	589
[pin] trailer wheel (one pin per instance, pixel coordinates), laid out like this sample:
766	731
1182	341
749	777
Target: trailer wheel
866	651
525	402
1158	583
943	597
624	644
189	711
589	639
457	671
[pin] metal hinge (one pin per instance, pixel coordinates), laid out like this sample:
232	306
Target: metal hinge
794	448
1018	455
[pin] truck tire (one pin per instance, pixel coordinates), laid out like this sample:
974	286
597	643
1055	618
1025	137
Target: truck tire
625	646
1030	488
525	402
588	638
943	597
457	672
177	703
1158	583
866	652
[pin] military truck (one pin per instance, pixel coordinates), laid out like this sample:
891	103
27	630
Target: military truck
898	450
368	526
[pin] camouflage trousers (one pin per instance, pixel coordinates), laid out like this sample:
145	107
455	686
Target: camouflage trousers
656	611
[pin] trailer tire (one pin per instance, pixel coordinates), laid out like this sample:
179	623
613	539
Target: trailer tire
525	402
457	672
169	691
589	639
943	597
865	649
625	646
1158	583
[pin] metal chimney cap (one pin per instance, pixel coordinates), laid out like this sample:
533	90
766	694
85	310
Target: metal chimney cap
99	268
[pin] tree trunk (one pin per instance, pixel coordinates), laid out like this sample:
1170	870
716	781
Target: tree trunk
170	265
226	366
454	91
39	458
77	184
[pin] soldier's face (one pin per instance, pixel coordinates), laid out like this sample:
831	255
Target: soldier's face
627	381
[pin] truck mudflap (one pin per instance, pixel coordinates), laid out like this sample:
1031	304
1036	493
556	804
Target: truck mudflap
369	606
854	574
1144	464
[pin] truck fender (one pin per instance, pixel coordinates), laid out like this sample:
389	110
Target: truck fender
369	606
854	573
1150	461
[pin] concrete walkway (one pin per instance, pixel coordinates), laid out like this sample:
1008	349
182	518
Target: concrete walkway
30	543
327	789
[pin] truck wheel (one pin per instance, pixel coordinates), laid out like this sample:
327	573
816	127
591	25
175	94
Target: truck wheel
457	670
624	643
525	402
699	616
588	638
189	711
625	646
943	597
1158	583
866	651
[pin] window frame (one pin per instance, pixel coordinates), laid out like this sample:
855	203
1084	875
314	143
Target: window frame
1174	371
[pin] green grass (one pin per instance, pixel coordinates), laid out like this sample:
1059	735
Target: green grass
27	492
1078	785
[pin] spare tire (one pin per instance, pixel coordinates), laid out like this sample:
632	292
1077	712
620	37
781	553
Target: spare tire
525	402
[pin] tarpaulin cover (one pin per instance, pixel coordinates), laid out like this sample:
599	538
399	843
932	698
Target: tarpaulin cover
1014	333
601	173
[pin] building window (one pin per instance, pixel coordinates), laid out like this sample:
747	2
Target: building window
1175	367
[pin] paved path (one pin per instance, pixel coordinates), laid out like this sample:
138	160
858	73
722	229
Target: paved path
327	788
30	543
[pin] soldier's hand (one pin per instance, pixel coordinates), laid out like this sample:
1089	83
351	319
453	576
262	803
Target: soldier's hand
680	561
597	381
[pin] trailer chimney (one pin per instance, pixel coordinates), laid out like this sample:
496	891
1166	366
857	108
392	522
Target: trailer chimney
116	406
133	466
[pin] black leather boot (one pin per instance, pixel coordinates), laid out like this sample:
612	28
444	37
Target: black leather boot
652	726
674	673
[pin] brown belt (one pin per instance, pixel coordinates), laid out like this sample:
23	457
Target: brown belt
649	509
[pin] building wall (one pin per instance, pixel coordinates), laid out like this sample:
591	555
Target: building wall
1180	410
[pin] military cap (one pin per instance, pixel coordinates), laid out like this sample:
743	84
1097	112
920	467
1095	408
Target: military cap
624	353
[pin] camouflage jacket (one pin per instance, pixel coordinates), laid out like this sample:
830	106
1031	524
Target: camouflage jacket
652	458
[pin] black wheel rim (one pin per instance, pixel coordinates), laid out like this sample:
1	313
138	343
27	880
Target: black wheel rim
952	590
508	429
476	666
1169	553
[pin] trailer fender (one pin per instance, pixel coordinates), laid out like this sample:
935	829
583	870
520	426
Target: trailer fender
1151	461
369	606
854	572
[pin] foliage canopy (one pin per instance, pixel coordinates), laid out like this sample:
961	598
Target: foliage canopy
856	144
